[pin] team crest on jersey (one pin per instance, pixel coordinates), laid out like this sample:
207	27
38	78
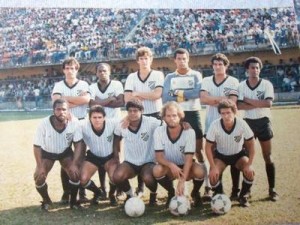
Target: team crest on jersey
145	136
151	85
69	136
111	94
229	91
109	138
238	138
260	95
182	149
79	92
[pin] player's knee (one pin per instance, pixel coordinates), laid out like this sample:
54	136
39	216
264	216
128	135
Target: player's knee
198	171
158	171
84	179
119	176
148	179
39	178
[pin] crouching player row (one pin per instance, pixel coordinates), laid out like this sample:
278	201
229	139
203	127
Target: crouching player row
175	148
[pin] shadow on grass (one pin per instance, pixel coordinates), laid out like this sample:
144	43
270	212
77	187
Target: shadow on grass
99	214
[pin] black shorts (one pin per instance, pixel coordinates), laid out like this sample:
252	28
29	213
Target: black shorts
261	128
193	118
138	169
52	156
155	115
230	159
97	161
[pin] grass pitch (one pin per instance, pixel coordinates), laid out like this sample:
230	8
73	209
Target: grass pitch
19	201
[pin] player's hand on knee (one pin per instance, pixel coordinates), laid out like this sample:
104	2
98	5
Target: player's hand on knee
74	172
214	175
176	171
249	172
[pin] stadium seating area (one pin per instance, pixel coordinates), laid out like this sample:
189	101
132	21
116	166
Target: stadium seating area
38	36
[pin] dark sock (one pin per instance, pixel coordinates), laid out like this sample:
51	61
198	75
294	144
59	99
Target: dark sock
218	189
246	185
102	176
43	191
153	186
166	183
197	185
74	190
112	189
235	176
270	169
65	181
140	183
92	187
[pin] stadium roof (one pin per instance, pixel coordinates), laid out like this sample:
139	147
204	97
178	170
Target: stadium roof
146	4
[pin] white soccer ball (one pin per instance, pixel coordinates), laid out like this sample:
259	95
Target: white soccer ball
179	205
134	207
220	204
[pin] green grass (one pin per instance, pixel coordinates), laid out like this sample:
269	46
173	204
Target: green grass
19	201
22	115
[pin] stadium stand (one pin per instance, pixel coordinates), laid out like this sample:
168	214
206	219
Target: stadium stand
47	36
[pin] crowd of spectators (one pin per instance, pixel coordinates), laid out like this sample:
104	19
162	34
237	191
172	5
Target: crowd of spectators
284	76
31	36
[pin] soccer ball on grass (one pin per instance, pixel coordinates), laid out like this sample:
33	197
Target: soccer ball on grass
134	207
179	205
220	204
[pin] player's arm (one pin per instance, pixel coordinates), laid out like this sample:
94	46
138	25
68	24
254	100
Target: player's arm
37	151
188	161
265	103
244	106
117	101
249	145
175	170
190	94
152	95
209	153
117	146
83	98
207	99
79	151
166	96
55	97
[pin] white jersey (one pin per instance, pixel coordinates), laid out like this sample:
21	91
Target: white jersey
228	87
154	80
138	145
229	142
114	89
63	89
263	90
54	141
99	143
175	150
